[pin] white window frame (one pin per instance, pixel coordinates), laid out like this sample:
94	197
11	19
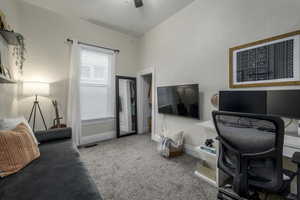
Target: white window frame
110	87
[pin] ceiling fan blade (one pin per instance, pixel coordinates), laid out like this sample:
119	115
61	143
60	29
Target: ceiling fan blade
138	3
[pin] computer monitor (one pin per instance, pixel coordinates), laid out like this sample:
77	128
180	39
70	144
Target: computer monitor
243	101
284	103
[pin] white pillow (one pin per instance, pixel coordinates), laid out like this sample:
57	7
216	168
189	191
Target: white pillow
11	123
177	137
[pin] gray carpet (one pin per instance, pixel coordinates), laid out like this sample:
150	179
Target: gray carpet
131	169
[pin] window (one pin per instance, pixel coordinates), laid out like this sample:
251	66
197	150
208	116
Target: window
96	83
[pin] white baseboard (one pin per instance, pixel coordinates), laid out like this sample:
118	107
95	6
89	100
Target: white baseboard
188	149
156	138
98	137
191	150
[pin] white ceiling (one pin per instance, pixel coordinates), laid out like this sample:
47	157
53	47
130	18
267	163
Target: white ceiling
120	15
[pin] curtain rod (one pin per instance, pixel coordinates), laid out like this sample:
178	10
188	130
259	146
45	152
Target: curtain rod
92	45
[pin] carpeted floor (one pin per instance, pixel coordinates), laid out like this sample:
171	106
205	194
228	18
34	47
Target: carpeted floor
131	169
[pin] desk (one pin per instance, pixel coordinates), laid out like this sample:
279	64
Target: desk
291	145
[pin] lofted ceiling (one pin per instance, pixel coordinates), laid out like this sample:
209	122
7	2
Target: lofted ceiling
119	15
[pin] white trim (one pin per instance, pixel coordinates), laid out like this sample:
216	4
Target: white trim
156	138
177	84
98	137
102	120
192	151
93	84
205	178
140	91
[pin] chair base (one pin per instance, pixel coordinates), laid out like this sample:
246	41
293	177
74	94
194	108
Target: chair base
226	193
291	197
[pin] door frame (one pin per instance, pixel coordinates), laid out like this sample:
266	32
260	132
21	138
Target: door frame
141	93
117	106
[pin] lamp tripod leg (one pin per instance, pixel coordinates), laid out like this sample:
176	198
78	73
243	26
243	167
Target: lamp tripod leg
34	116
42	116
36	106
31	114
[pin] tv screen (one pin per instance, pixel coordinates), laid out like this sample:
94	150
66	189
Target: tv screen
181	100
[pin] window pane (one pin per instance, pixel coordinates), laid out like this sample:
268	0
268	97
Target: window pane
85	72
98	64
94	58
96	82
93	102
100	73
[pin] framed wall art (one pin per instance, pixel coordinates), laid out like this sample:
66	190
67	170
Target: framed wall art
269	62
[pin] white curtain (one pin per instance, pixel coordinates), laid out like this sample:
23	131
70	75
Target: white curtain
74	113
112	88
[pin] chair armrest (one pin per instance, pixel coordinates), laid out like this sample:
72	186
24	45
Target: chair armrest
53	134
296	158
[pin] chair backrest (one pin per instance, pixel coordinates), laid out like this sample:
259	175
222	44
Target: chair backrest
250	150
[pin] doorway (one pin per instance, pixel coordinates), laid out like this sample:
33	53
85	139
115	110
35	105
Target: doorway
147	103
146	108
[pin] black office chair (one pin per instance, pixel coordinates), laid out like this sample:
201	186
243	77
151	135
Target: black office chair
251	155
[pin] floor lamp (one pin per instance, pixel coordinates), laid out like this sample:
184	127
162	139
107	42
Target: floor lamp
36	89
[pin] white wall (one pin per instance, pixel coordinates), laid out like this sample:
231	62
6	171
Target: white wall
48	53
8	92
192	46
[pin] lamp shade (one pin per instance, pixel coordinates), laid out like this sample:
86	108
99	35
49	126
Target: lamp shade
36	88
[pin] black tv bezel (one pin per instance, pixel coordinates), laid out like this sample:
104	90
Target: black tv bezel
188	117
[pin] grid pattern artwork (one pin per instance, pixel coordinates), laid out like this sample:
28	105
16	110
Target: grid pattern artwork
269	62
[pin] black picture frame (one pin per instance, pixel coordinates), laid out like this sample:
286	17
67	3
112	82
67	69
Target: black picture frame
118	78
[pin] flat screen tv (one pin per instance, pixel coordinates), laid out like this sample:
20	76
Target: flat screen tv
181	100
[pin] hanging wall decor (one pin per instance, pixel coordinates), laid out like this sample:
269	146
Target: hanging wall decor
15	39
3	23
7	73
270	62
19	52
